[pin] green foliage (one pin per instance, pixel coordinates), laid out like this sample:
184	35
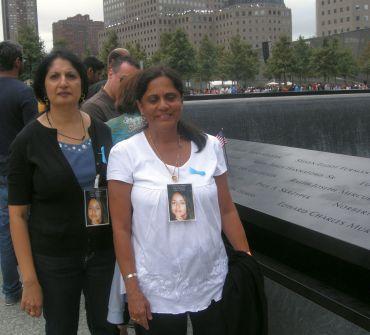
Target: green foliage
182	55
222	67
176	52
243	62
161	56
364	62
110	43
207	60
61	43
87	52
281	63
346	64
33	50
301	65
324	59
137	53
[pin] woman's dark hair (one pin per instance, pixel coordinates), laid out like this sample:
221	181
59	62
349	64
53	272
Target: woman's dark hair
188	202
136	86
42	70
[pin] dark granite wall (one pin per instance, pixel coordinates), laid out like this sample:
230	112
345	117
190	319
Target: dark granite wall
335	123
292	314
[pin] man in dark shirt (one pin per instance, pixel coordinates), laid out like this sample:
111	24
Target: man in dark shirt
18	106
102	105
94	70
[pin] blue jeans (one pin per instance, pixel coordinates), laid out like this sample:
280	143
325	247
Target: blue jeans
11	282
62	280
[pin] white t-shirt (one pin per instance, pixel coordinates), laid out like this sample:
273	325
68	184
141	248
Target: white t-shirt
181	266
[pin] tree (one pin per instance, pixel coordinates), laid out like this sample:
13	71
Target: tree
110	43
243	63
137	53
302	54
222	67
182	55
161	56
207	60
364	62
87	52
346	64
281	62
60	43
33	50
324	59
176	52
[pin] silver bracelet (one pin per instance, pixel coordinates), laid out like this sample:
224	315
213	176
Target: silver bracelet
130	275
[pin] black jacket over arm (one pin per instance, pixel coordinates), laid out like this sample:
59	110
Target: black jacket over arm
40	176
243	297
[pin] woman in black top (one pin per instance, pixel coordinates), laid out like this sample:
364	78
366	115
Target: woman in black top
56	162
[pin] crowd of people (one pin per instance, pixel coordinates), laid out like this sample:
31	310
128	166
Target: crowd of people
275	87
156	256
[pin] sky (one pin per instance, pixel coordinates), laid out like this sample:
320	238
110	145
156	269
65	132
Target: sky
49	11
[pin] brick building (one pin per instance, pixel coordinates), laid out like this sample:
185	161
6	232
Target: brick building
79	34
17	13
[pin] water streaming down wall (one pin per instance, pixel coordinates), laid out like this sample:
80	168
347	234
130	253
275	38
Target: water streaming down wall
335	123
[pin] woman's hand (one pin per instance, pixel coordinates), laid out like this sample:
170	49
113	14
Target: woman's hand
32	298
139	308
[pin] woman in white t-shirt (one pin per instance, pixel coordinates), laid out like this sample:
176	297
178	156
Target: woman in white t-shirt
171	268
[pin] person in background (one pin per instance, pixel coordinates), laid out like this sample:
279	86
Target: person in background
18	107
94	71
123	127
102	105
54	160
171	270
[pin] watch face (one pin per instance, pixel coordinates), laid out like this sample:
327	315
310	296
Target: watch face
96	207
180	202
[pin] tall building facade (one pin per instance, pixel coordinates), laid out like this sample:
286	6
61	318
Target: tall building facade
145	20
18	13
118	11
338	16
78	34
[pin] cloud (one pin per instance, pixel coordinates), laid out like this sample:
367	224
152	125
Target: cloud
304	17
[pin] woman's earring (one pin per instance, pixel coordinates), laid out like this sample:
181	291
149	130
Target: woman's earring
82	98
46	101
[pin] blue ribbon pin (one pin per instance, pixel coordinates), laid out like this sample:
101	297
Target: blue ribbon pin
103	159
193	171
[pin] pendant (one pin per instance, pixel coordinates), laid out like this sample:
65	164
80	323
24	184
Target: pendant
174	179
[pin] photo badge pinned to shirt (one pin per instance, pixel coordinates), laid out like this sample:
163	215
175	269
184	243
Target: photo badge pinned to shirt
180	202
96	206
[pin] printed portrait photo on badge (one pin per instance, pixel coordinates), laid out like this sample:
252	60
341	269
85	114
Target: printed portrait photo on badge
96	208
180	202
